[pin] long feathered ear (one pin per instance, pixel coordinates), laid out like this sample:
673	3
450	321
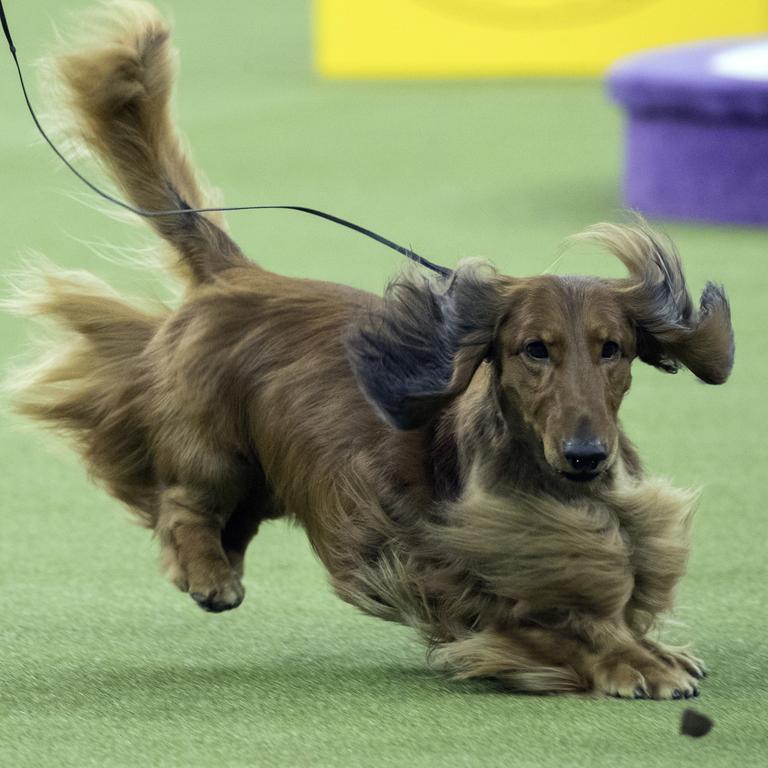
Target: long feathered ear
413	355
670	330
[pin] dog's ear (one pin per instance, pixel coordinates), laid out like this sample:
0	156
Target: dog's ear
419	350
670	330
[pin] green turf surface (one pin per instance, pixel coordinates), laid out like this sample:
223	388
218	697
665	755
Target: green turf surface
102	663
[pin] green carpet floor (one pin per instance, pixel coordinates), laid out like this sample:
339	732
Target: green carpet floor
102	663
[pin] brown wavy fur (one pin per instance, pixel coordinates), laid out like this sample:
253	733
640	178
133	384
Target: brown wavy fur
411	435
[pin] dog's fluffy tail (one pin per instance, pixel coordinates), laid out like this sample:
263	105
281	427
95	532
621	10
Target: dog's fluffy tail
117	83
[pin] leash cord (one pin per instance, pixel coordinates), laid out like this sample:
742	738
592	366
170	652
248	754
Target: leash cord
407	252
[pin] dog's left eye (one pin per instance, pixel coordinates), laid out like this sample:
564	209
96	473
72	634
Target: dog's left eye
610	350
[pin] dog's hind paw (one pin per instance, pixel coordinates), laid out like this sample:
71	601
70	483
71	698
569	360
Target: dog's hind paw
221	597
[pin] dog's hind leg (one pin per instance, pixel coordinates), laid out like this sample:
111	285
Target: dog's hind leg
189	525
242	525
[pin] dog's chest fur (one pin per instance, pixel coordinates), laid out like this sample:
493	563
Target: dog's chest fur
499	557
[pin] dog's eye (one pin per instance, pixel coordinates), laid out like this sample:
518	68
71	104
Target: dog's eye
610	350
537	350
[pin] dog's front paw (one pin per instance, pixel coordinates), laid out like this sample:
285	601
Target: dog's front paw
635	673
620	679
677	657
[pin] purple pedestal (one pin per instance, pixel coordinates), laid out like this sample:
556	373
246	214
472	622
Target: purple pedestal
697	132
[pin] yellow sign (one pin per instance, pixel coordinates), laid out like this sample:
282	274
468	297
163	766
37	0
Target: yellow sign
480	38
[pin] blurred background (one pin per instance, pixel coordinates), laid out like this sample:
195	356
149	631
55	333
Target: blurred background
460	129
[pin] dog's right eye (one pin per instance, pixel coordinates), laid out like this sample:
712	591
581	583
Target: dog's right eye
537	350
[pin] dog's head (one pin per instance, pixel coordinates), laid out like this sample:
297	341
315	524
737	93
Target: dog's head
560	348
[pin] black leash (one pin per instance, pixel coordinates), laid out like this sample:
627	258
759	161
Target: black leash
407	252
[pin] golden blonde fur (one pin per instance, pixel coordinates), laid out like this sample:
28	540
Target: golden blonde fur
452	449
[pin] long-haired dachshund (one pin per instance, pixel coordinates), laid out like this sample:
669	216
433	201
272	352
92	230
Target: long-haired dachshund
452	449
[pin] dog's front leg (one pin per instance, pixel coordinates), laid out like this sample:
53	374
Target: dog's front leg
524	659
581	654
189	527
586	655
656	518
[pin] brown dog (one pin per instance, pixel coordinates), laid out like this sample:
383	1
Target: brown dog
452	449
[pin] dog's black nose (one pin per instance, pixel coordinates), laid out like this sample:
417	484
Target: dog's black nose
585	455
